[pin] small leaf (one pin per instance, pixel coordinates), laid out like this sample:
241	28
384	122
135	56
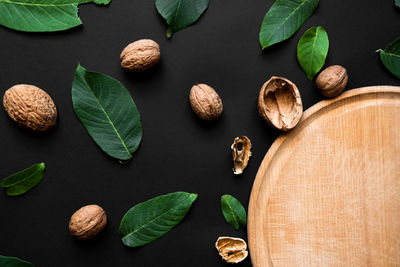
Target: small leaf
397	3
233	211
14	262
20	182
106	109
180	13
283	19
42	16
390	57
312	50
150	220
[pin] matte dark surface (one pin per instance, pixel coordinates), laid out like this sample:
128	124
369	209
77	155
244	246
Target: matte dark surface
178	151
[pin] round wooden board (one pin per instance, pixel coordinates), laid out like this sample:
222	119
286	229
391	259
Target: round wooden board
328	192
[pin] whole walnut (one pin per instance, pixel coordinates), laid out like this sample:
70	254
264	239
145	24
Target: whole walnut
332	81
30	107
205	102
140	55
87	222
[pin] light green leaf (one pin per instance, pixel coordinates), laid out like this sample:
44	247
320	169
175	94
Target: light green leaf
233	211
390	57
312	50
106	109
14	262
397	3
20	182
42	15
283	19
150	220
180	13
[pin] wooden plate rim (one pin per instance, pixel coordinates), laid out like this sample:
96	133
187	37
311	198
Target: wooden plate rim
277	143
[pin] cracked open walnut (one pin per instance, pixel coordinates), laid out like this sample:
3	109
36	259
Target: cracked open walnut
231	249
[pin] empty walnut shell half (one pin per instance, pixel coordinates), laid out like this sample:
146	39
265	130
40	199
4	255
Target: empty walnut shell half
30	107
279	103
241	153
87	222
231	249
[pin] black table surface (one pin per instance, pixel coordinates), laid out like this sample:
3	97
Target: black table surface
178	152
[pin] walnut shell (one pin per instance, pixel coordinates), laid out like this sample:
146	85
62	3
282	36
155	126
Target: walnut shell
231	249
332	81
87	222
30	107
279	103
140	55
205	102
241	155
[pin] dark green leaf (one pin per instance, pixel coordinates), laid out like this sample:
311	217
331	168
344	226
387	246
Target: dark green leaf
397	3
106	109
14	262
180	13
233	211
312	50
283	19
390	57
150	220
20	182
41	15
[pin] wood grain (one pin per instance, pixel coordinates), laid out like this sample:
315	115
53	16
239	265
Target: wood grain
328	192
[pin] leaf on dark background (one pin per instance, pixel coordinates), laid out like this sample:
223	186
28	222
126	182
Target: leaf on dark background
397	3
149	220
283	19
180	13
107	111
390	57
20	182
312	50
42	16
14	262
233	211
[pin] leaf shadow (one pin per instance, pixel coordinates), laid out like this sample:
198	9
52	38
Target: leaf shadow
41	35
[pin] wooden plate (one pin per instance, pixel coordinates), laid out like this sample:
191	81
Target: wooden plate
328	192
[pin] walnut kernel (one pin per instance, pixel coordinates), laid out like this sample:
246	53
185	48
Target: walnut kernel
231	249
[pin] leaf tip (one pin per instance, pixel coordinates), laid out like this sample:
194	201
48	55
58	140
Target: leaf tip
169	33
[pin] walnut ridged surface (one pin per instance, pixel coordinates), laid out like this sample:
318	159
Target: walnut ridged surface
87	222
279	103
205	102
332	81
30	107
232	249
140	55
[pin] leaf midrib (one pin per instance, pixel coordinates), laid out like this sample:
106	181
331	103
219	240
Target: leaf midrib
24	179
233	214
312	51
391	54
37	5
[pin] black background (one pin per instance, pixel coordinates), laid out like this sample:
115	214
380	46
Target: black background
178	151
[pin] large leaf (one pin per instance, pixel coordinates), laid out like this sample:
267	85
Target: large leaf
233	211
42	15
397	3
180	13
283	19
14	262
390	57
152	219
312	50
106	109
20	182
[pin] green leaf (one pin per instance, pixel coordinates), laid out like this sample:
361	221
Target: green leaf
283	19
390	57
397	3
180	13
42	15
106	109
20	182
233	211
150	220
14	262
312	50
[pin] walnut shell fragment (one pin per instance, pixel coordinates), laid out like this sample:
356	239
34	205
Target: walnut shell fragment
30	107
205	102
241	153
231	249
140	55
87	222
279	103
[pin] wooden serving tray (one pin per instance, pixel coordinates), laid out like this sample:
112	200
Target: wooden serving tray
328	192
